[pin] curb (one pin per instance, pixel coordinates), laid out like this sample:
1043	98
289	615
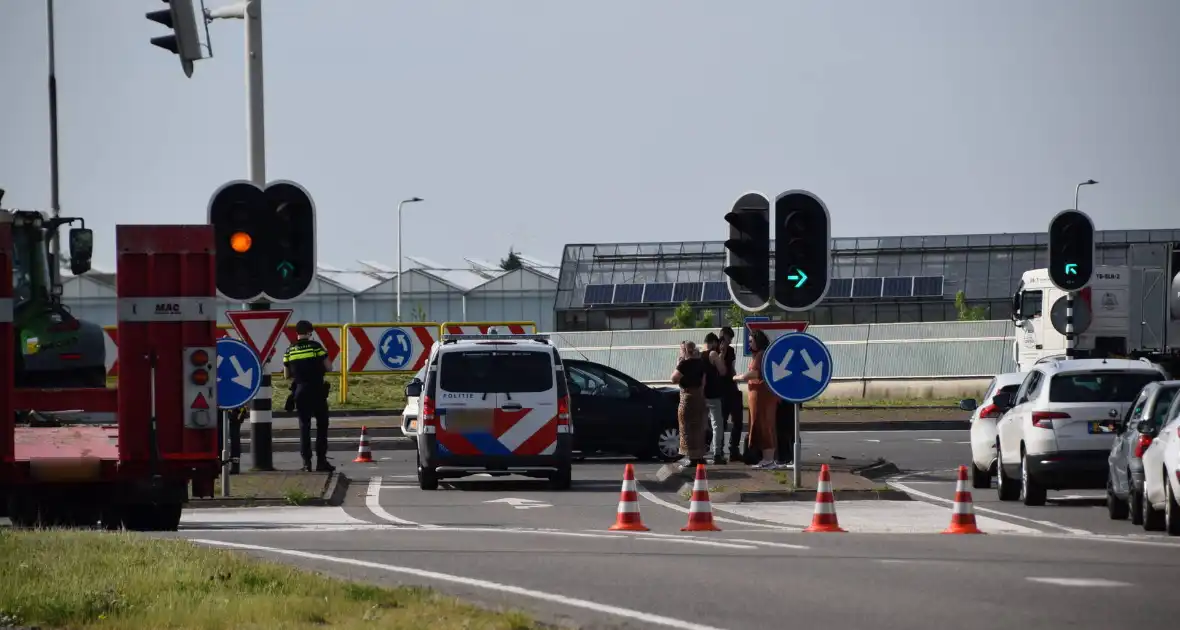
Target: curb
335	490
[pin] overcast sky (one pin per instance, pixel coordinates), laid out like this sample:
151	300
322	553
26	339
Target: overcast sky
533	124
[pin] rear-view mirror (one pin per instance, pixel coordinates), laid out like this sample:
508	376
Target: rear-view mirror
1146	428
1003	400
414	389
81	250
968	404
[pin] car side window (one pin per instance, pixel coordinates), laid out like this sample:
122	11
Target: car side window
1029	388
1163	403
585	384
991	391
611	385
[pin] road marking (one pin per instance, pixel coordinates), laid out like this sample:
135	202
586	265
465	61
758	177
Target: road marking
521	504
1099	582
1126	539
967	442
928	439
889	432
390	486
617	611
373	502
868	440
599	535
672	506
697	539
897	485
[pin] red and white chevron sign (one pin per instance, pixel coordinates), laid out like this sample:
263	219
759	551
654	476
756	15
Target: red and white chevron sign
376	348
328	336
482	329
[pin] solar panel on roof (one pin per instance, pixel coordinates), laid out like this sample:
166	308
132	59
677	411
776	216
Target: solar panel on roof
928	286
687	291
866	287
840	288
657	292
716	292
599	293
898	286
628	293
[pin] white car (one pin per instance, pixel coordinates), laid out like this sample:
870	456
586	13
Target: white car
984	416
1057	431
1161	476
410	413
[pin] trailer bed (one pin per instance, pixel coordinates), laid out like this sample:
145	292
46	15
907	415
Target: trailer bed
73	442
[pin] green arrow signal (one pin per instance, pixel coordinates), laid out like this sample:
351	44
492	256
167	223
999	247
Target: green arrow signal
285	268
1071	269
799	277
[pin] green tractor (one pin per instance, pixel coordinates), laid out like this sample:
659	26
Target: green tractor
54	349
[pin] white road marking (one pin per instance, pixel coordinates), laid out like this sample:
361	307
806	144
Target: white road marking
889	432
865	517
928	439
1084	582
721	519
897	485
391	486
1127	539
521	504
373	502
260	518
564	600
967	442
284	530
867	440
695	538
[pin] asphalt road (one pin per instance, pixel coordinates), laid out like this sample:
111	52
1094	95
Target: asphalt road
507	541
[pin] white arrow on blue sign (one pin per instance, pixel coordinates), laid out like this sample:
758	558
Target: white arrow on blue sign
797	367
239	374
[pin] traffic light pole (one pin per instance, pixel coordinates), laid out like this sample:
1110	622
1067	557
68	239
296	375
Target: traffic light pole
54	182
1069	338
261	441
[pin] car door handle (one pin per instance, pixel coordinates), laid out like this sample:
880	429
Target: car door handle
509	406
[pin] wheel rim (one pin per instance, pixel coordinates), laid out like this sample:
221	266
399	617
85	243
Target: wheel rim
999	471
670	443
1023	478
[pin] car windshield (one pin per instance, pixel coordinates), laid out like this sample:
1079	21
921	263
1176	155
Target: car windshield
1100	387
496	371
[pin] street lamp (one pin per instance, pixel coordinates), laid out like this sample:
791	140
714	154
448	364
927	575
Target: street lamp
1088	182
399	252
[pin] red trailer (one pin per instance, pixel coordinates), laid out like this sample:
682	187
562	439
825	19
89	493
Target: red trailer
125	457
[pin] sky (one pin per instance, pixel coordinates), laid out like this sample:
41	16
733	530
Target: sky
532	124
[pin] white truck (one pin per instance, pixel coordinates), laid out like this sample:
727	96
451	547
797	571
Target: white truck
1128	311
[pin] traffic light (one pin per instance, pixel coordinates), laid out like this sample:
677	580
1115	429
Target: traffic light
291	238
1071	250
184	40
802	250
236	212
747	252
265	240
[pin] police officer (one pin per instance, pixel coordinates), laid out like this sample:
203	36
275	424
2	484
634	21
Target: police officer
305	363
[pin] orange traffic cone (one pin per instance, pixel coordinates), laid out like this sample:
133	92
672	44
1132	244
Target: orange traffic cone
963	513
700	510
824	518
627	518
363	454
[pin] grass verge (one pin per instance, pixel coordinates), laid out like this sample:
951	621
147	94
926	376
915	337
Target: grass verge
58	579
296	488
387	391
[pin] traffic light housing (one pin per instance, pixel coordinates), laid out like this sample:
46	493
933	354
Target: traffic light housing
802	250
185	42
291	237
1071	250
747	252
265	240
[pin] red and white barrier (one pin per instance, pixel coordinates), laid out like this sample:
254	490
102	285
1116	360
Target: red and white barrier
389	348
328	335
481	328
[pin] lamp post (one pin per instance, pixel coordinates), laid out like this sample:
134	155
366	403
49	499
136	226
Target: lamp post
1078	188
399	252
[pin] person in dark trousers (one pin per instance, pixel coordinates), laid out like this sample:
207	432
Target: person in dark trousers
305	363
731	400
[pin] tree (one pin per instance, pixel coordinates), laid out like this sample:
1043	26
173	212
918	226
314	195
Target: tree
685	316
512	262
735	317
419	314
969	313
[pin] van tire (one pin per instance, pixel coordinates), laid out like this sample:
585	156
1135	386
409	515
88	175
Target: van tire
563	478
427	478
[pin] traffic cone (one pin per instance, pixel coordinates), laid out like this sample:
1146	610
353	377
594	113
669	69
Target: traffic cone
363	454
824	518
700	510
963	513
627	517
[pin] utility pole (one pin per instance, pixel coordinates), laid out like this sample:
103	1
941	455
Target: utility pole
54	185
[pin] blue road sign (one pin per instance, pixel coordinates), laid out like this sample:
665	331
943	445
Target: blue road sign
239	373
797	367
395	349
746	334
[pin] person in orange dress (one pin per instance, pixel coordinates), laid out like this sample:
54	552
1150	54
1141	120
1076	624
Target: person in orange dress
763	405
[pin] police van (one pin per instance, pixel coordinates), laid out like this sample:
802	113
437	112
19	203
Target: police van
494	403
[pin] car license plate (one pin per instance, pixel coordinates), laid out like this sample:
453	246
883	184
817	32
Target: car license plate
1101	427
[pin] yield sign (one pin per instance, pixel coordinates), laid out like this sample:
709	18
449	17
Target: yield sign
260	329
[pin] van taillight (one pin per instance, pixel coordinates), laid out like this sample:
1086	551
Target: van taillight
1044	419
427	420
1141	447
563	414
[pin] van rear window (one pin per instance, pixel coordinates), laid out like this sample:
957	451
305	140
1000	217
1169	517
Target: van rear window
496	371
1100	387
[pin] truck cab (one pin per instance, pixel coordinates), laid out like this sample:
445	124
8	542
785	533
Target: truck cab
1108	300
